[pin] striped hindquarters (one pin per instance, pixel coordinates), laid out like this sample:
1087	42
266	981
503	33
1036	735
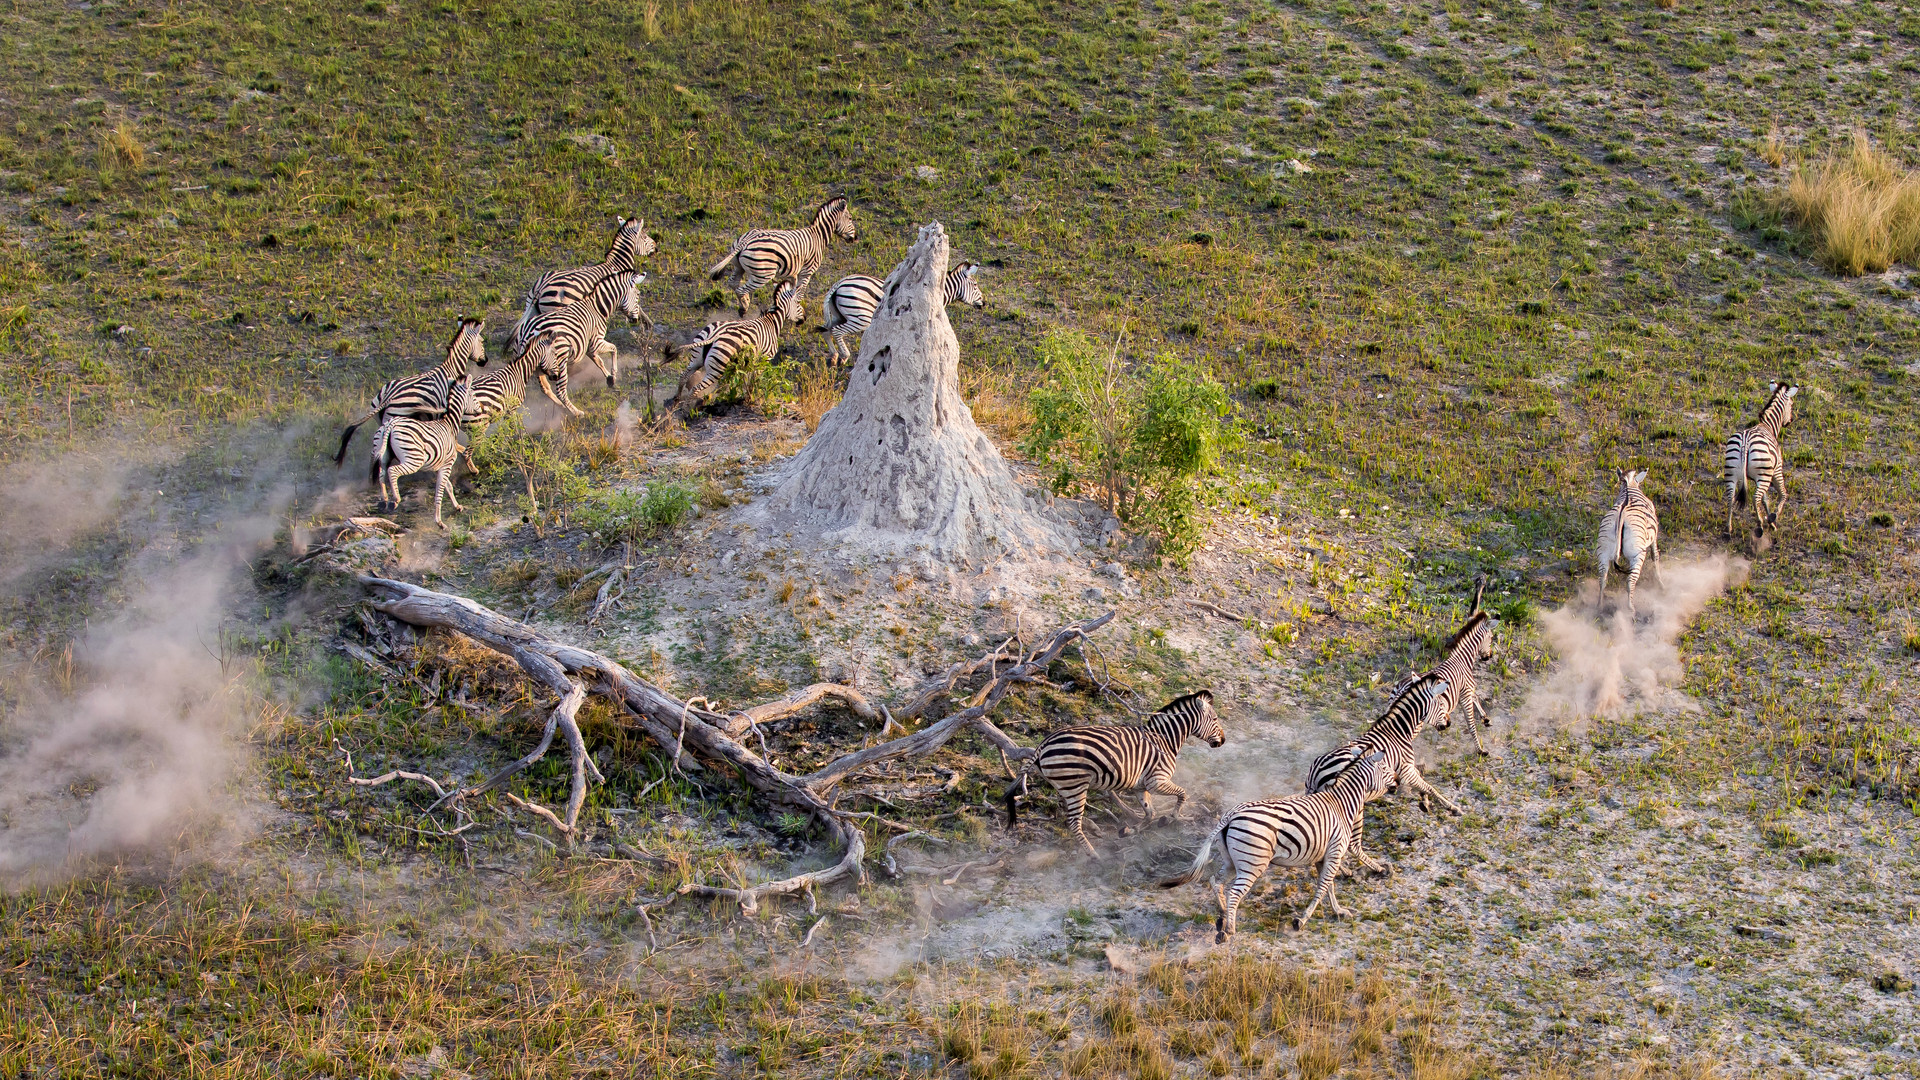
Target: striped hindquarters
766	255
1631	527
850	305
407	445
1752	457
558	288
720	344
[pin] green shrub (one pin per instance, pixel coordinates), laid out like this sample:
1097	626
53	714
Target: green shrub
1139	441
638	515
509	451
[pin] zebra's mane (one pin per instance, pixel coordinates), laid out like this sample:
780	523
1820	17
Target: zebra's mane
1780	389
1183	699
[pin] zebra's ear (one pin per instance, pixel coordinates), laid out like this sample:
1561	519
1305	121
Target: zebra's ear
619	222
973	270
1772	386
1792	390
1640	477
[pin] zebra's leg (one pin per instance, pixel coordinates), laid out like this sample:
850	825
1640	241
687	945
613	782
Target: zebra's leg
1164	785
1603	583
1658	578
1410	776
1329	866
1779	498
1243	883
1733	501
1472	701
440	479
558	397
1357	850
1075	803
1633	579
1759	496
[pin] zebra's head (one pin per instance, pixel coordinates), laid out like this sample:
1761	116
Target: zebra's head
1196	717
786	305
1630	480
966	280
837	216
1427	698
630	300
1779	408
631	243
1368	778
467	346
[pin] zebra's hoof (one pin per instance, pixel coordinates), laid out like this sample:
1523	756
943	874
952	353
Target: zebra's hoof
1299	924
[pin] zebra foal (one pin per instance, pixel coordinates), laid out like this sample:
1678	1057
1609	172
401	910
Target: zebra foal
1299	830
1120	757
849	307
1629	533
481	400
406	445
424	395
579	330
784	256
721	343
1754	464
1392	737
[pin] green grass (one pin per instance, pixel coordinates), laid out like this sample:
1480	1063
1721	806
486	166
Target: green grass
1512	257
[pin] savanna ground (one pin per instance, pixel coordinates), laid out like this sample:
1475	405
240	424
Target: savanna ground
1454	262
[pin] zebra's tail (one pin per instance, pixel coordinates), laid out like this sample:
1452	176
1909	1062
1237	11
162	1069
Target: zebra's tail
720	267
1199	860
347	437
1479	591
378	458
1013	790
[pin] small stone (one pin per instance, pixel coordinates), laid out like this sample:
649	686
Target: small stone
1095	593
122	331
1115	571
926	172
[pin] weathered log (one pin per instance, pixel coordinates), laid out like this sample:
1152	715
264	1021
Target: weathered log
676	726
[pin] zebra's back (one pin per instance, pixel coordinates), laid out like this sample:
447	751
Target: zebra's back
1104	757
851	304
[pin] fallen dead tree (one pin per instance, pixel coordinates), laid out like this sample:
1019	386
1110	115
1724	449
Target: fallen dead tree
710	738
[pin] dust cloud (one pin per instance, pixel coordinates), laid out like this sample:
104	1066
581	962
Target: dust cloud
1611	664
127	740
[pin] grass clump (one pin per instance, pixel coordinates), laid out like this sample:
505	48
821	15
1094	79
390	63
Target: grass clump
1141	441
1860	208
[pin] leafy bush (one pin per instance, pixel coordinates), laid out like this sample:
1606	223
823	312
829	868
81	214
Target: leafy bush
1140	441
508	449
638	515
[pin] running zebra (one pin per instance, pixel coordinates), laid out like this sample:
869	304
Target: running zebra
481	400
1392	737
1754	463
580	329
406	445
1299	830
850	305
721	343
1629	533
424	395
1121	757
558	288
784	256
1471	646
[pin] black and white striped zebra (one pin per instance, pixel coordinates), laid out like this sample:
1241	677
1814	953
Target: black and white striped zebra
406	445
784	256
721	343
424	395
849	307
558	288
1299	830
1121	758
1754	464
1392	737
1629	533
483	398
579	330
1471	646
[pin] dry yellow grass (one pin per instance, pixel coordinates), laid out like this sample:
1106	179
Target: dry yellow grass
817	389
1773	150
1861	208
122	146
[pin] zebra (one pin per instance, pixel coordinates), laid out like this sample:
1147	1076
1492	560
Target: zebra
424	395
776	256
1472	645
406	445
1392	737
480	400
1629	533
1754	464
580	329
1121	757
720	343
558	288
1298	830
849	307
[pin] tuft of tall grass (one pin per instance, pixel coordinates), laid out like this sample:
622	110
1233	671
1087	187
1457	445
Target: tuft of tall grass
1860	207
816	389
122	146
